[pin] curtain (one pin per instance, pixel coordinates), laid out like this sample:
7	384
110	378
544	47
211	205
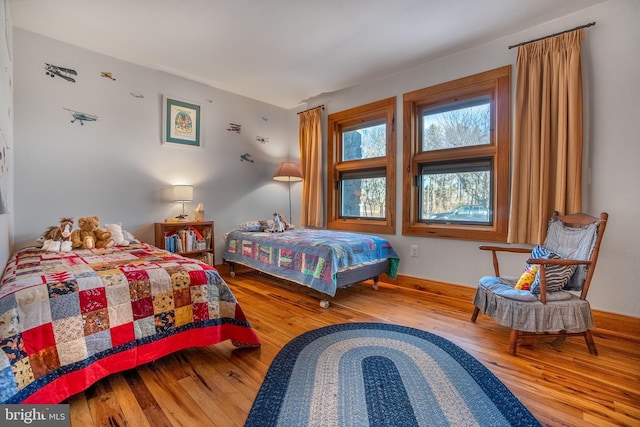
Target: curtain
547	162
310	140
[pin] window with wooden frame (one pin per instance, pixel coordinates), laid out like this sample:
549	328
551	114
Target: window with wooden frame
361	168
456	158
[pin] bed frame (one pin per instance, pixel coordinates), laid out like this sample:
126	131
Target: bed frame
345	278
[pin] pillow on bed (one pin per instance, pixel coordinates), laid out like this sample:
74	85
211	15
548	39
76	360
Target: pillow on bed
254	225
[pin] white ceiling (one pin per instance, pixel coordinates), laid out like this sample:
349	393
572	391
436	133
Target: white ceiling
282	52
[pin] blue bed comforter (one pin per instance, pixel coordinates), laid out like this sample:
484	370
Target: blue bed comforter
309	257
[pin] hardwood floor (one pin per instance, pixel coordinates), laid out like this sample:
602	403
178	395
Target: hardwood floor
216	385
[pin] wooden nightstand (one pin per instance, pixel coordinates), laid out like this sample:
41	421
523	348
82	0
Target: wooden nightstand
184	238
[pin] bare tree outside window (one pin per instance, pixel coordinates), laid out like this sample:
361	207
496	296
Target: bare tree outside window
456	184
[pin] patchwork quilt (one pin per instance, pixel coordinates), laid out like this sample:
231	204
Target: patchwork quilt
307	256
68	319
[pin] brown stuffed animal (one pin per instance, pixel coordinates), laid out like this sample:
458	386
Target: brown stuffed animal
90	235
60	232
58	237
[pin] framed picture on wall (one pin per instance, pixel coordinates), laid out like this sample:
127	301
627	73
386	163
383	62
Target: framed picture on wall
8	30
180	122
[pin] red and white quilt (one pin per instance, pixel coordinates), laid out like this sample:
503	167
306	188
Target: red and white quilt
68	319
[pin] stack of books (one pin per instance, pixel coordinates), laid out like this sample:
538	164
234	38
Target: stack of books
187	239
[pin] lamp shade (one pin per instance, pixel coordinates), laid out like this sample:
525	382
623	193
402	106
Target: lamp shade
182	193
288	171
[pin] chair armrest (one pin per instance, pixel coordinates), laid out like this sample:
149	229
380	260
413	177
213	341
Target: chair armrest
557	261
542	262
505	249
494	254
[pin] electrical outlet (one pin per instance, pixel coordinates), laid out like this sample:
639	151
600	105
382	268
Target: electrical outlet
414	251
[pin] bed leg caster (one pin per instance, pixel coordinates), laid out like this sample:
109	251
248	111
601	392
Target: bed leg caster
375	286
324	303
232	268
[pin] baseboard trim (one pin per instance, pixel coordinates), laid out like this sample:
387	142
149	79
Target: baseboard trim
606	322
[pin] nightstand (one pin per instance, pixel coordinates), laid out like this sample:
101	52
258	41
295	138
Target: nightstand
190	239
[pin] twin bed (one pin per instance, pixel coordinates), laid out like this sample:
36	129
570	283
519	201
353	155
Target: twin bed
68	319
322	260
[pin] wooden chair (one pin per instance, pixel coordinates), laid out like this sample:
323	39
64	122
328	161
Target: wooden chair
576	238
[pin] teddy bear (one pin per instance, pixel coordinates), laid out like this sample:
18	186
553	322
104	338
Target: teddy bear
90	235
117	234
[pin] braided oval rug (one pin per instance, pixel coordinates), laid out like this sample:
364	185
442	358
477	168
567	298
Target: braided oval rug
375	374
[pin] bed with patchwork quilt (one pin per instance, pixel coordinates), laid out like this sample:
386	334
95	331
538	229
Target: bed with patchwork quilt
68	319
323	260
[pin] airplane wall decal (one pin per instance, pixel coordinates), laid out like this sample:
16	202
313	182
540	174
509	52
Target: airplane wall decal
64	73
108	75
234	127
82	117
246	157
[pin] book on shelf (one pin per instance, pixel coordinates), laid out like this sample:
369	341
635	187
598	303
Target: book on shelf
187	239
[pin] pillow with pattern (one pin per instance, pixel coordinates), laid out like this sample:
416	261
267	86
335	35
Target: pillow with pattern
557	275
254	225
527	278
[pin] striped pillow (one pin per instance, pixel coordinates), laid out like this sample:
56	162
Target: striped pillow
557	275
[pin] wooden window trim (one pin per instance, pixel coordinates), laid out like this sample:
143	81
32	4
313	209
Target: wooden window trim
384	110
498	83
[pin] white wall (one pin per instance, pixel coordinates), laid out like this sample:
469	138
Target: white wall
6	130
116	167
612	120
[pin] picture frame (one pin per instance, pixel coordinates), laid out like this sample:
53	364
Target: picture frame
8	29
180	122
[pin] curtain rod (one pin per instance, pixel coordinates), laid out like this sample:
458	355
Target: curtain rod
309	109
553	35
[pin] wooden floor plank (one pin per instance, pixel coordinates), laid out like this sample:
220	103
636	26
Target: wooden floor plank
104	406
175	403
80	416
216	385
129	405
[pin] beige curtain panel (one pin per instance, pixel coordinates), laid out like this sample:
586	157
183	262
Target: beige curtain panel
548	147
310	140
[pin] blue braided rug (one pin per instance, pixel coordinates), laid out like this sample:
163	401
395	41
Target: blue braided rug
375	374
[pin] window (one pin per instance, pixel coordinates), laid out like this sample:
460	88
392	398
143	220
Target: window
456	158
361	168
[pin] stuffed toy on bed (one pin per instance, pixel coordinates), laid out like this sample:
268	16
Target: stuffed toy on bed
57	238
278	225
117	234
90	235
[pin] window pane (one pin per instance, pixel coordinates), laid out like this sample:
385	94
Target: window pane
364	142
458	125
456	192
363	196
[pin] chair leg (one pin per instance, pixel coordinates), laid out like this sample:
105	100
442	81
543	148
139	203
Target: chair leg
474	316
558	342
590	343
513	342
